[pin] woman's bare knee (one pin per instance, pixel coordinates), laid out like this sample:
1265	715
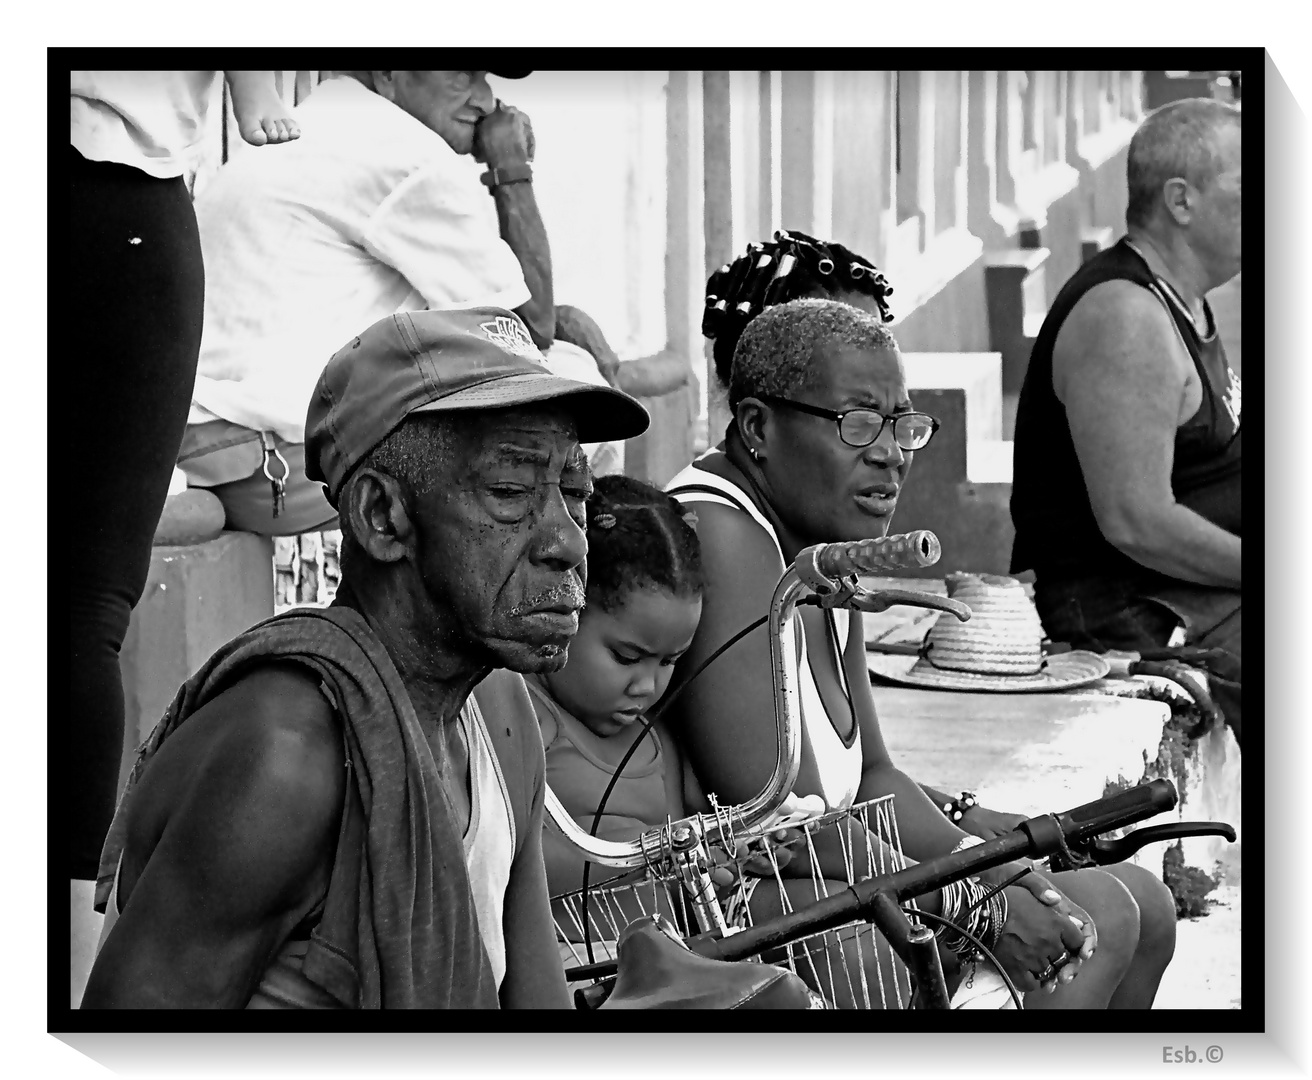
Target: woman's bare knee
1157	917
1113	909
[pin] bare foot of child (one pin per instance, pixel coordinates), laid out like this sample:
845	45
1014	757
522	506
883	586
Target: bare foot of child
262	116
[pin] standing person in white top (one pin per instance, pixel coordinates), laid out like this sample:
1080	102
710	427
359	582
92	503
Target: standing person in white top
377	209
821	442
138	284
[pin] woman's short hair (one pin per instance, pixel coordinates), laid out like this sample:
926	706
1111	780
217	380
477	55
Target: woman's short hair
792	265
776	352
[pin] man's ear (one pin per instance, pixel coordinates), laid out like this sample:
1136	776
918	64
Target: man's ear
753	417
1178	197
374	509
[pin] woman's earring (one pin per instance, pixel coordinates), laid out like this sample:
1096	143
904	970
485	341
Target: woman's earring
756	456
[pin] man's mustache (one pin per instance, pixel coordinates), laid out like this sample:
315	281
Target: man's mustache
568	593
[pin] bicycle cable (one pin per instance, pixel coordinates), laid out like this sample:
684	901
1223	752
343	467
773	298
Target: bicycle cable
647	720
1011	986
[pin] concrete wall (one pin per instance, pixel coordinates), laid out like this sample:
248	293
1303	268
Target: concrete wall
649	180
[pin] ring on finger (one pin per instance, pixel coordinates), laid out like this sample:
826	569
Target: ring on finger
1054	966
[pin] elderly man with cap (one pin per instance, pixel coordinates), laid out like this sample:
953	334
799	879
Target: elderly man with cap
376	208
343	807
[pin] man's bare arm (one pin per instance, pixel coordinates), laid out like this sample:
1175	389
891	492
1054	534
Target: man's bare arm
505	141
535	973
1121	372
242	858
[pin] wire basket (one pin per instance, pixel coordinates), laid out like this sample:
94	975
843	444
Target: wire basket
850	966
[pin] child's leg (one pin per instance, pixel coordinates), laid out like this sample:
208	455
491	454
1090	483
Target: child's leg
262	116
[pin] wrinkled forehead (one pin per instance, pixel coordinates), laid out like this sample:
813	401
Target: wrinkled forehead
530	434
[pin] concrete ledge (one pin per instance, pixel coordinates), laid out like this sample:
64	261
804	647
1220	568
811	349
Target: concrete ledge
979	374
196	598
1094	240
1016	296
1035	753
1208	776
1023	753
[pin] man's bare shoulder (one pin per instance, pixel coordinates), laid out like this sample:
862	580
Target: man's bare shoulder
269	744
1113	315
1118	334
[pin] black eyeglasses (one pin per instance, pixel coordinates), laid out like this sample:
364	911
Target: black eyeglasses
861	427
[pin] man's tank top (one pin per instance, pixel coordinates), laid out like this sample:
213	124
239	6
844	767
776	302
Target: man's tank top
1057	535
835	761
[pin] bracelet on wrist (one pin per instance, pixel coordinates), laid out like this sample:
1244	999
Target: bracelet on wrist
968	906
507	174
955	809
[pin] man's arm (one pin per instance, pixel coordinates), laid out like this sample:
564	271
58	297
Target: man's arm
504	141
1121	372
535	973
243	856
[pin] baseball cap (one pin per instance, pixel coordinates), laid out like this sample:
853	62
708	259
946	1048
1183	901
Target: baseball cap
437	361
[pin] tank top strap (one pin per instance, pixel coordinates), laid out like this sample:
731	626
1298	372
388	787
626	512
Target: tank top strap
695	485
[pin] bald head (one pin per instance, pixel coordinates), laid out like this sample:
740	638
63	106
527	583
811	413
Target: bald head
1183	140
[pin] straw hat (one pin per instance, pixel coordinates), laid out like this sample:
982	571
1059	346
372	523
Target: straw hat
998	649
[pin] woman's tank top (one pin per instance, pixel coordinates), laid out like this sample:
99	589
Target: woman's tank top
835	762
1057	535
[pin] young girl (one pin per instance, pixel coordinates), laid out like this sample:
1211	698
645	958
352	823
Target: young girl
644	599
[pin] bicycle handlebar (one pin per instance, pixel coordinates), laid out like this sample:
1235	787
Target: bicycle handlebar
901	552
1035	838
817	569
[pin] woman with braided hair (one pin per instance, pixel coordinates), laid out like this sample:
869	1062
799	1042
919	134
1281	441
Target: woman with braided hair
821	440
790	267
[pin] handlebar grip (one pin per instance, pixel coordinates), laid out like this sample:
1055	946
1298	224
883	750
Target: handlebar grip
1136	804
920	548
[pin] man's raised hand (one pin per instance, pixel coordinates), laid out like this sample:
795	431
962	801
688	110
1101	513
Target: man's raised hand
504	137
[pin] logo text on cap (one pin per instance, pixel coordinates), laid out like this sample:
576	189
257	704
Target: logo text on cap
511	336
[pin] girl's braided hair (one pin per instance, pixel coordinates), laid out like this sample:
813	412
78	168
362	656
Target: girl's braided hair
793	265
639	537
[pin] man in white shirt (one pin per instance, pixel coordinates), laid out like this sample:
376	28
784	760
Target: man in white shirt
375	209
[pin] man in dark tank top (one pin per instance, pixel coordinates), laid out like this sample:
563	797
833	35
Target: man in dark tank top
1126	488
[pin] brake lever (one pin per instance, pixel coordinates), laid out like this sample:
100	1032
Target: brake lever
1106	852
883	599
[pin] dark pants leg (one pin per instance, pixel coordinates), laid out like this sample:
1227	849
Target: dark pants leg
131	345
1100	615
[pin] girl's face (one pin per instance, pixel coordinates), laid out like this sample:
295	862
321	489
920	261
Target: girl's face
620	661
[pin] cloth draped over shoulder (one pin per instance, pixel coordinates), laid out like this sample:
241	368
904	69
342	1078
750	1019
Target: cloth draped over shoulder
399	928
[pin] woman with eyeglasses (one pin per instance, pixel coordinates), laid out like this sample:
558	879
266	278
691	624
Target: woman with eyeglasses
819	447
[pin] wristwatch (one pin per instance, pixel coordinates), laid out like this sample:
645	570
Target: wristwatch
955	809
509	174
